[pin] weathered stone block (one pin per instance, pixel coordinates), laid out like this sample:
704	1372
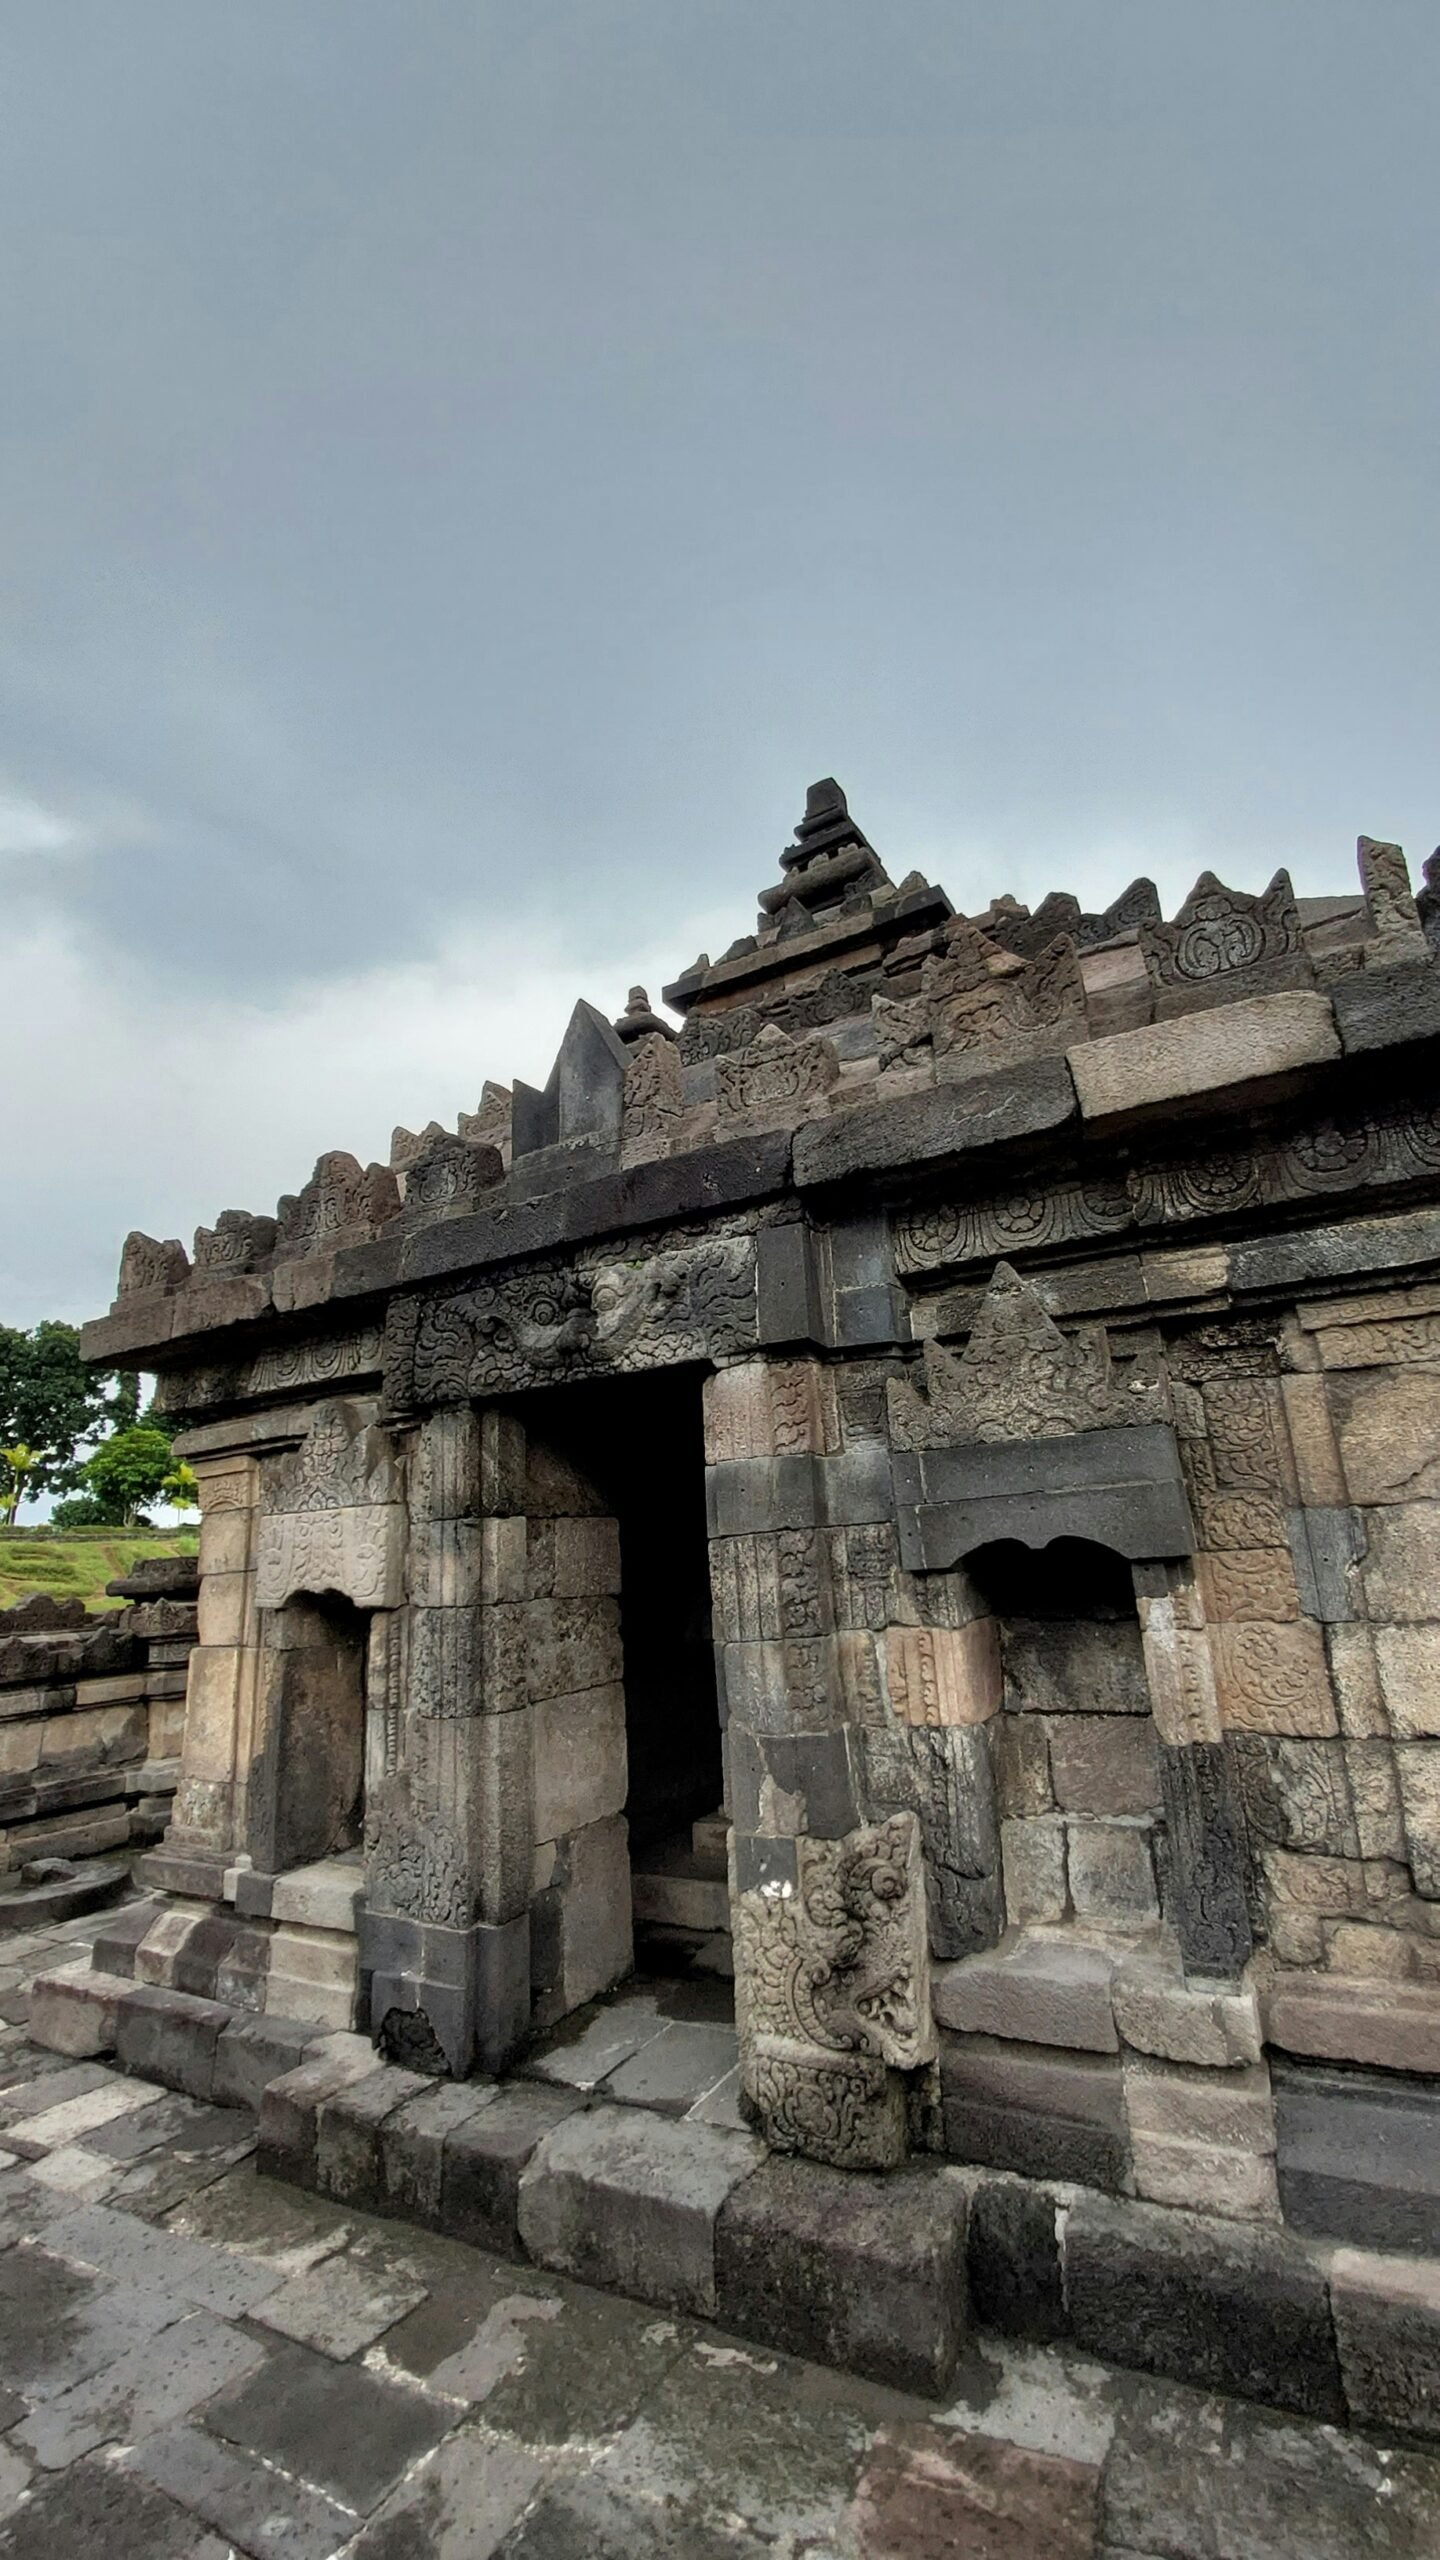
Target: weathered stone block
1020	1758
252	2052
623	2198
1401	1570
1409	1663
1014	2259
944	1777
1391	2027
1044	2112
1231	2110
75	2011
348	2133
1204	2302
1241	1043
1418	1768
952	1120
944	1675
1103	1764
411	2148
1248	1582
581	1773
861	2272
1357	2157
1387	2324
484	2156
1048	1991
1387	1423
1112	1872
1159	2012
1204	2177
1326	1541
573	1645
1272	1679
170	2037
290	2108
1319	1474
1033	1864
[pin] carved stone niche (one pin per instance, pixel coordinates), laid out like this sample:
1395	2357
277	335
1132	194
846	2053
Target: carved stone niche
832	1994
1034	1435
332	1518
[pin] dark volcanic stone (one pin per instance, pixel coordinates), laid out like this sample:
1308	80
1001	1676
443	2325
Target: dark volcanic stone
1207	2302
867	2273
484	2158
1014	2260
953	1120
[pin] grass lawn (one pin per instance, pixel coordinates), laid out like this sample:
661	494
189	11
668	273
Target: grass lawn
77	1563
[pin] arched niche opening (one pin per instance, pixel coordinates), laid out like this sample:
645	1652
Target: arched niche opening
315	1801
1073	1744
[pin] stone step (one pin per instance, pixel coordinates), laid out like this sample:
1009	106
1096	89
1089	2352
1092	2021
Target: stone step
710	1837
677	1888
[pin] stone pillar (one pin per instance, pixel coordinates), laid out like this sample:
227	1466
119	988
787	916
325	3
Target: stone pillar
209	1825
831	1960
444	1931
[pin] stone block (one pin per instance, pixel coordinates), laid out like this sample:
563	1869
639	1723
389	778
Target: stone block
1319	1474
1401	1568
1052	1662
1042	2112
1247	1582
1103	1764
1272	1679
1014	2259
412	2147
170	2037
581	1773
1325	1541
1374	1786
1205	2177
290	2107
1381	1006
1204	1859
1387	1423
1355	1681
943	1776
1159	2012
1036	1990
630	2200
1387	2325
944	1675
587	1558
1020	1758
862	2272
321	1896
1408	1659
348	2133
486	2155
1417	1766
1112	1873
1231	2110
1219	2305
1390	2027
573	1645
1358	2157
951	1120
1033	1864
252	2052
75	2011
312	1978
1245	1043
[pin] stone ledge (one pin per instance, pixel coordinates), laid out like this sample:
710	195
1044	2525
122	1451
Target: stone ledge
949	1121
1247	1044
1337	2018
1048	1991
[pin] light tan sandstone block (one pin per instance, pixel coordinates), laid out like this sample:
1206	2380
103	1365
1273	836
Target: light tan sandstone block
1409	1664
1319	1473
1232	1044
1248	1582
1387	1422
1401	1567
944	1675
1273	1679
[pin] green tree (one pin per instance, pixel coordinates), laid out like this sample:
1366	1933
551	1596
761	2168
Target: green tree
127	1471
51	1402
19	1463
181	1488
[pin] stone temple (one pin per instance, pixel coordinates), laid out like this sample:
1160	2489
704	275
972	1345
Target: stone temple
923	1488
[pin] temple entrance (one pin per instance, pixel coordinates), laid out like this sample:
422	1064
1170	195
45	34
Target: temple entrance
634	1448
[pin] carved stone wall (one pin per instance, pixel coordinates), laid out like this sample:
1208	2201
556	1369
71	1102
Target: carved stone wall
333	1517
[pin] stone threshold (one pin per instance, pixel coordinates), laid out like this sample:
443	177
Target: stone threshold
878	2276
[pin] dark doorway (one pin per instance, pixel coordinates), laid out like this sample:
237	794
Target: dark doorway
639	1443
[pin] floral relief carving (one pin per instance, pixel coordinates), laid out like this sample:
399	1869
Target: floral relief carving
1220	931
674	1303
332	1517
776	1078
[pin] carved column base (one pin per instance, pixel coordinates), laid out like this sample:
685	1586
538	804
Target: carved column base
847	2110
448	2001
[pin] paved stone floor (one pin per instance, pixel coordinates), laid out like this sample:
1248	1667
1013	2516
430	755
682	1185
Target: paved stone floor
195	2361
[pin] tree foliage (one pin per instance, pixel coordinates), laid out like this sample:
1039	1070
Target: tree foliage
130	1469
50	1402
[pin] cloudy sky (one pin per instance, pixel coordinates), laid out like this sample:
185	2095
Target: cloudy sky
467	465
